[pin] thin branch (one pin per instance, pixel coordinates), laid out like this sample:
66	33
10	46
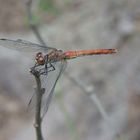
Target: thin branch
33	26
93	97
89	91
39	92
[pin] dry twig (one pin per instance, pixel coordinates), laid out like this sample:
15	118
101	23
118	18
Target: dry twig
33	26
39	92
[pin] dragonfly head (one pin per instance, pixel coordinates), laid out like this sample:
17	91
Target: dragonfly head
40	58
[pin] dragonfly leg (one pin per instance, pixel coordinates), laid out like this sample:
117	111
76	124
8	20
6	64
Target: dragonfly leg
33	69
48	67
51	67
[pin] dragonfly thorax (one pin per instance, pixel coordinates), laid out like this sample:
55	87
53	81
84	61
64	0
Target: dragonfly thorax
55	56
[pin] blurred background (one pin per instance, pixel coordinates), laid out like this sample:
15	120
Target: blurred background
98	98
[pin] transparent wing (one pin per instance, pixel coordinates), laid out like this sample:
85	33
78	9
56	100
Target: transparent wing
48	82
23	46
49	85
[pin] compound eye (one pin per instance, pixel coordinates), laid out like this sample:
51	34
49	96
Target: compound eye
40	59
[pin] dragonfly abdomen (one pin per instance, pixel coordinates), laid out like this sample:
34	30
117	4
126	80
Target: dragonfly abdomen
74	54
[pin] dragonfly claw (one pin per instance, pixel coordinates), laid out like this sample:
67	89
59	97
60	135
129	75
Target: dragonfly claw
34	71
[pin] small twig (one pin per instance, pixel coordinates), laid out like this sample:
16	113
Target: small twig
94	98
39	92
92	95
33	26
39	89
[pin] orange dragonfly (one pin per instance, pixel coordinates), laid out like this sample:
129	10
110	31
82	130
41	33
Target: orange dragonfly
49	60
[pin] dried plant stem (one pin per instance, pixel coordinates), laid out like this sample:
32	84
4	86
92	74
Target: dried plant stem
94	98
39	93
91	94
33	26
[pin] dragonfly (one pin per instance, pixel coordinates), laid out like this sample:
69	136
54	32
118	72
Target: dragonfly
49	62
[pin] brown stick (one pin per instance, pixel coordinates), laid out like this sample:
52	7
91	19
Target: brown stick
39	92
